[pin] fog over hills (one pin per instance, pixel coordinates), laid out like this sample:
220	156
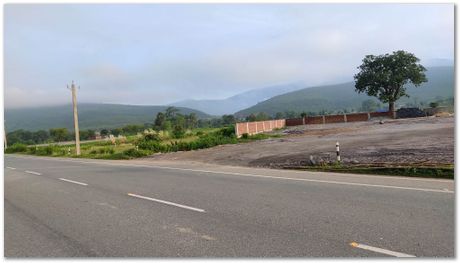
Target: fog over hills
91	116
273	99
239	101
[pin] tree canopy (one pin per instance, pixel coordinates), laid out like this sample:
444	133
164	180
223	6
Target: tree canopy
384	76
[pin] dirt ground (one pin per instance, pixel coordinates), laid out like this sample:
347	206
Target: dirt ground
406	141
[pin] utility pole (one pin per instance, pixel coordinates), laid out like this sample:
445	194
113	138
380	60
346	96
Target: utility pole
4	134
73	88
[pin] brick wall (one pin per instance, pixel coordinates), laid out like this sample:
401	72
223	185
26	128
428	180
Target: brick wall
263	126
295	122
380	114
351	117
334	118
357	117
258	126
314	120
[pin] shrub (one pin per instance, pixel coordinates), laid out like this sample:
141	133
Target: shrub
17	147
245	136
152	137
227	131
133	153
164	135
211	140
104	150
222	136
32	150
188	133
46	150
153	146
178	132
434	104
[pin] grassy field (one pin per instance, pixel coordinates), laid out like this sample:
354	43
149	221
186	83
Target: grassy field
139	146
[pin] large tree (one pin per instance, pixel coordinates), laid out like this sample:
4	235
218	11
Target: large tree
160	120
59	134
384	76
171	112
191	120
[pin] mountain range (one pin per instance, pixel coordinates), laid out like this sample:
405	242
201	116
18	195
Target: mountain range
343	96
90	116
239	101
281	98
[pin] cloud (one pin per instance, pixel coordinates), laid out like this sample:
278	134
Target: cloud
158	53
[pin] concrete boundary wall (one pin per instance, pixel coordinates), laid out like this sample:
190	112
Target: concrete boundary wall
263	126
258	126
338	118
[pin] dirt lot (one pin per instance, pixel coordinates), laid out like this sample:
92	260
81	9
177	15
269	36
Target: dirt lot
422	140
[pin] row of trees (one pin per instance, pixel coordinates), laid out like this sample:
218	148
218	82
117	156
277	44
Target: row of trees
43	136
172	119
63	134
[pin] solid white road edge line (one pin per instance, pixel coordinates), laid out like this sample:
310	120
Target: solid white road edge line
381	250
11	168
168	203
291	171
310	180
70	181
32	172
272	177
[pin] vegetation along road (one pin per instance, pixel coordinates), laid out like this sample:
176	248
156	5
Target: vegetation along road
402	142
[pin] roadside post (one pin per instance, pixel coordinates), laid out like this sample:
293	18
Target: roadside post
73	88
337	149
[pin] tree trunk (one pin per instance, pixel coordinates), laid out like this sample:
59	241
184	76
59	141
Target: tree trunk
391	109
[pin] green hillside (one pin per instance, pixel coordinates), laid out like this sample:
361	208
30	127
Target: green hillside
343	96
91	116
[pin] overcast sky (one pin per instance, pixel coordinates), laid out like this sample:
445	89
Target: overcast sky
157	53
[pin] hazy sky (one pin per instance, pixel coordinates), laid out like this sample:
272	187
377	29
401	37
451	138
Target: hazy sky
158	53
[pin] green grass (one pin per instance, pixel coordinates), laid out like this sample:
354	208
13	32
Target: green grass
135	147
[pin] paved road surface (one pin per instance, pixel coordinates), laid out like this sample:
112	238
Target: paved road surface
84	208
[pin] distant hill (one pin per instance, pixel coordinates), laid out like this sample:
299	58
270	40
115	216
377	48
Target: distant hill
343	96
91	116
239	101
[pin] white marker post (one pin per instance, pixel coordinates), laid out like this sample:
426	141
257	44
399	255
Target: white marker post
337	149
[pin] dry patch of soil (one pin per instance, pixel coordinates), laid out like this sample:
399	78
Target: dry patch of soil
406	141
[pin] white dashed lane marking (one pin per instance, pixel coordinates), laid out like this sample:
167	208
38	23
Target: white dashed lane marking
71	181
168	203
32	172
381	250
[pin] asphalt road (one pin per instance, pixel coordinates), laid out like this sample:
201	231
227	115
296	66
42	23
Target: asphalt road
86	208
